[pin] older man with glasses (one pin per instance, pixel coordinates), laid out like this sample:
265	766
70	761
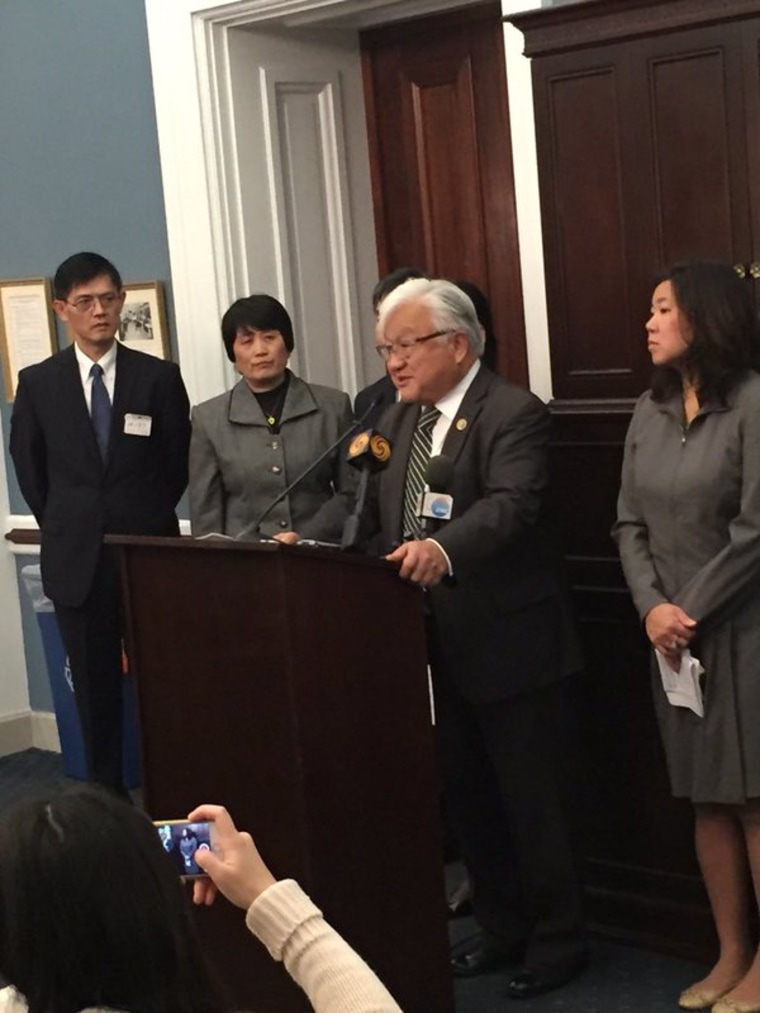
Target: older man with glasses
500	638
99	439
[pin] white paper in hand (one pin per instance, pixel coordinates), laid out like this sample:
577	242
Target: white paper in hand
683	688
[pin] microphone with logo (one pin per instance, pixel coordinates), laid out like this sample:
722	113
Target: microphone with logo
435	506
369	451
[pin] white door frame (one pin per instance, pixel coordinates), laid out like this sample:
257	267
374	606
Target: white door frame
187	59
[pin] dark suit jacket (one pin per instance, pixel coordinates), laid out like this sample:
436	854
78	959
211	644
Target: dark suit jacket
503	626
75	498
384	391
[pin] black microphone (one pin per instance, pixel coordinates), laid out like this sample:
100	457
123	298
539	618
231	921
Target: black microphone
255	528
370	451
435	506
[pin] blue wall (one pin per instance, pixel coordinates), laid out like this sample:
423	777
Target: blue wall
79	165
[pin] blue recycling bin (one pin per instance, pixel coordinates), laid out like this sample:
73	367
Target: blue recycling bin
62	687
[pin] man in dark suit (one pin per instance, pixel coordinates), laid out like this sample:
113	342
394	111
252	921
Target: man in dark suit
99	439
501	640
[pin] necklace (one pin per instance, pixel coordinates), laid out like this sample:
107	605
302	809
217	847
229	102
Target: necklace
272	403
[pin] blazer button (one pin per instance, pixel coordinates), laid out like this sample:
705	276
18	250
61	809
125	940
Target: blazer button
275	445
283	524
276	469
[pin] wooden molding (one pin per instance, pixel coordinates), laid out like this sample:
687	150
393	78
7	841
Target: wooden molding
23	536
595	406
573	26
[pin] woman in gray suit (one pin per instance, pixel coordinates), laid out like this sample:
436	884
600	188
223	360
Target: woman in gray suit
688	530
249	443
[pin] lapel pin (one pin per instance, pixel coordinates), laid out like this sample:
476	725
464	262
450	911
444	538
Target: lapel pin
461	425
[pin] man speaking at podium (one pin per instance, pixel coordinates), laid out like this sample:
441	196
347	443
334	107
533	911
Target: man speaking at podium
500	637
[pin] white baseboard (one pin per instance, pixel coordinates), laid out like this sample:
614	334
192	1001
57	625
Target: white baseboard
32	729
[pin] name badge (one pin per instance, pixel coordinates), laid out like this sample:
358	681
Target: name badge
137	425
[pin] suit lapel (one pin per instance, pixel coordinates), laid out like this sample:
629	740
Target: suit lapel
469	409
403	422
244	409
73	396
127	375
299	400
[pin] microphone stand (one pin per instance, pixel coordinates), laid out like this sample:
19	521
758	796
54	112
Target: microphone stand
350	537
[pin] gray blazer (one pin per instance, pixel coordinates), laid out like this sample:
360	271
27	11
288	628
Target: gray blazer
688	525
238	467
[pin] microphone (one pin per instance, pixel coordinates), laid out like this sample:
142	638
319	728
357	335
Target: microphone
369	451
436	505
255	528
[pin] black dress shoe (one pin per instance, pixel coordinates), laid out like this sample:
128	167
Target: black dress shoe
528	984
482	959
459	908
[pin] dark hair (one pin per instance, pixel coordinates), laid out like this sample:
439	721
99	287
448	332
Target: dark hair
81	268
483	310
387	284
256	313
93	913
725	336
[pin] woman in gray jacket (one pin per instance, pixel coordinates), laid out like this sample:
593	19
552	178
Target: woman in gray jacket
688	530
249	443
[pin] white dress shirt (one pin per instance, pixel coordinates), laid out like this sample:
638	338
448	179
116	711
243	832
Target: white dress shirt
107	363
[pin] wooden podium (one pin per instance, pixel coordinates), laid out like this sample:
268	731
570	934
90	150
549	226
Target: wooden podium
289	684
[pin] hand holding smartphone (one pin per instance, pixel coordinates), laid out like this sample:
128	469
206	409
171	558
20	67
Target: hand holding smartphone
234	866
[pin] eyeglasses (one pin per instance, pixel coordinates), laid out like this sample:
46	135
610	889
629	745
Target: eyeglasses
406	346
86	302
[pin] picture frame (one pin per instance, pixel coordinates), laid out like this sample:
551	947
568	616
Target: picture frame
143	319
27	328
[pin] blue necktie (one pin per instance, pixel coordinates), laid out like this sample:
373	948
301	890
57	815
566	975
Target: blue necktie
100	409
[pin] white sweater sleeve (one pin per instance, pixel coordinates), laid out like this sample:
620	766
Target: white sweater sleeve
332	975
11	1001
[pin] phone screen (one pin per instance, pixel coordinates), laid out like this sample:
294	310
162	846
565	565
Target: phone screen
181	840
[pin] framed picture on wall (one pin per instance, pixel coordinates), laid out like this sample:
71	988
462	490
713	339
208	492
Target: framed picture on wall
143	319
27	331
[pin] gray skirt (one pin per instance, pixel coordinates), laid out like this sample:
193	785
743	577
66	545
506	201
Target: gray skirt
716	758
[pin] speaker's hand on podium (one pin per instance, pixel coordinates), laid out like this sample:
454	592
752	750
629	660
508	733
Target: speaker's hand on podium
422	561
234	865
287	537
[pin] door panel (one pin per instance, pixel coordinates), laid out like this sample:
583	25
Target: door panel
643	162
441	160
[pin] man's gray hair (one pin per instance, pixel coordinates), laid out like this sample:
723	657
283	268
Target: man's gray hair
450	308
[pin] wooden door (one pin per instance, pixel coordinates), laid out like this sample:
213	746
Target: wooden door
441	160
642	161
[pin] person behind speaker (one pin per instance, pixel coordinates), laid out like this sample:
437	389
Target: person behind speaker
249	443
688	531
93	916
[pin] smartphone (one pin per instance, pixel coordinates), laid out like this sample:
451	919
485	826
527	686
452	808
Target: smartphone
181	839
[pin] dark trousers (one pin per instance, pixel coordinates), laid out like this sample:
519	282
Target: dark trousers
92	636
507	773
